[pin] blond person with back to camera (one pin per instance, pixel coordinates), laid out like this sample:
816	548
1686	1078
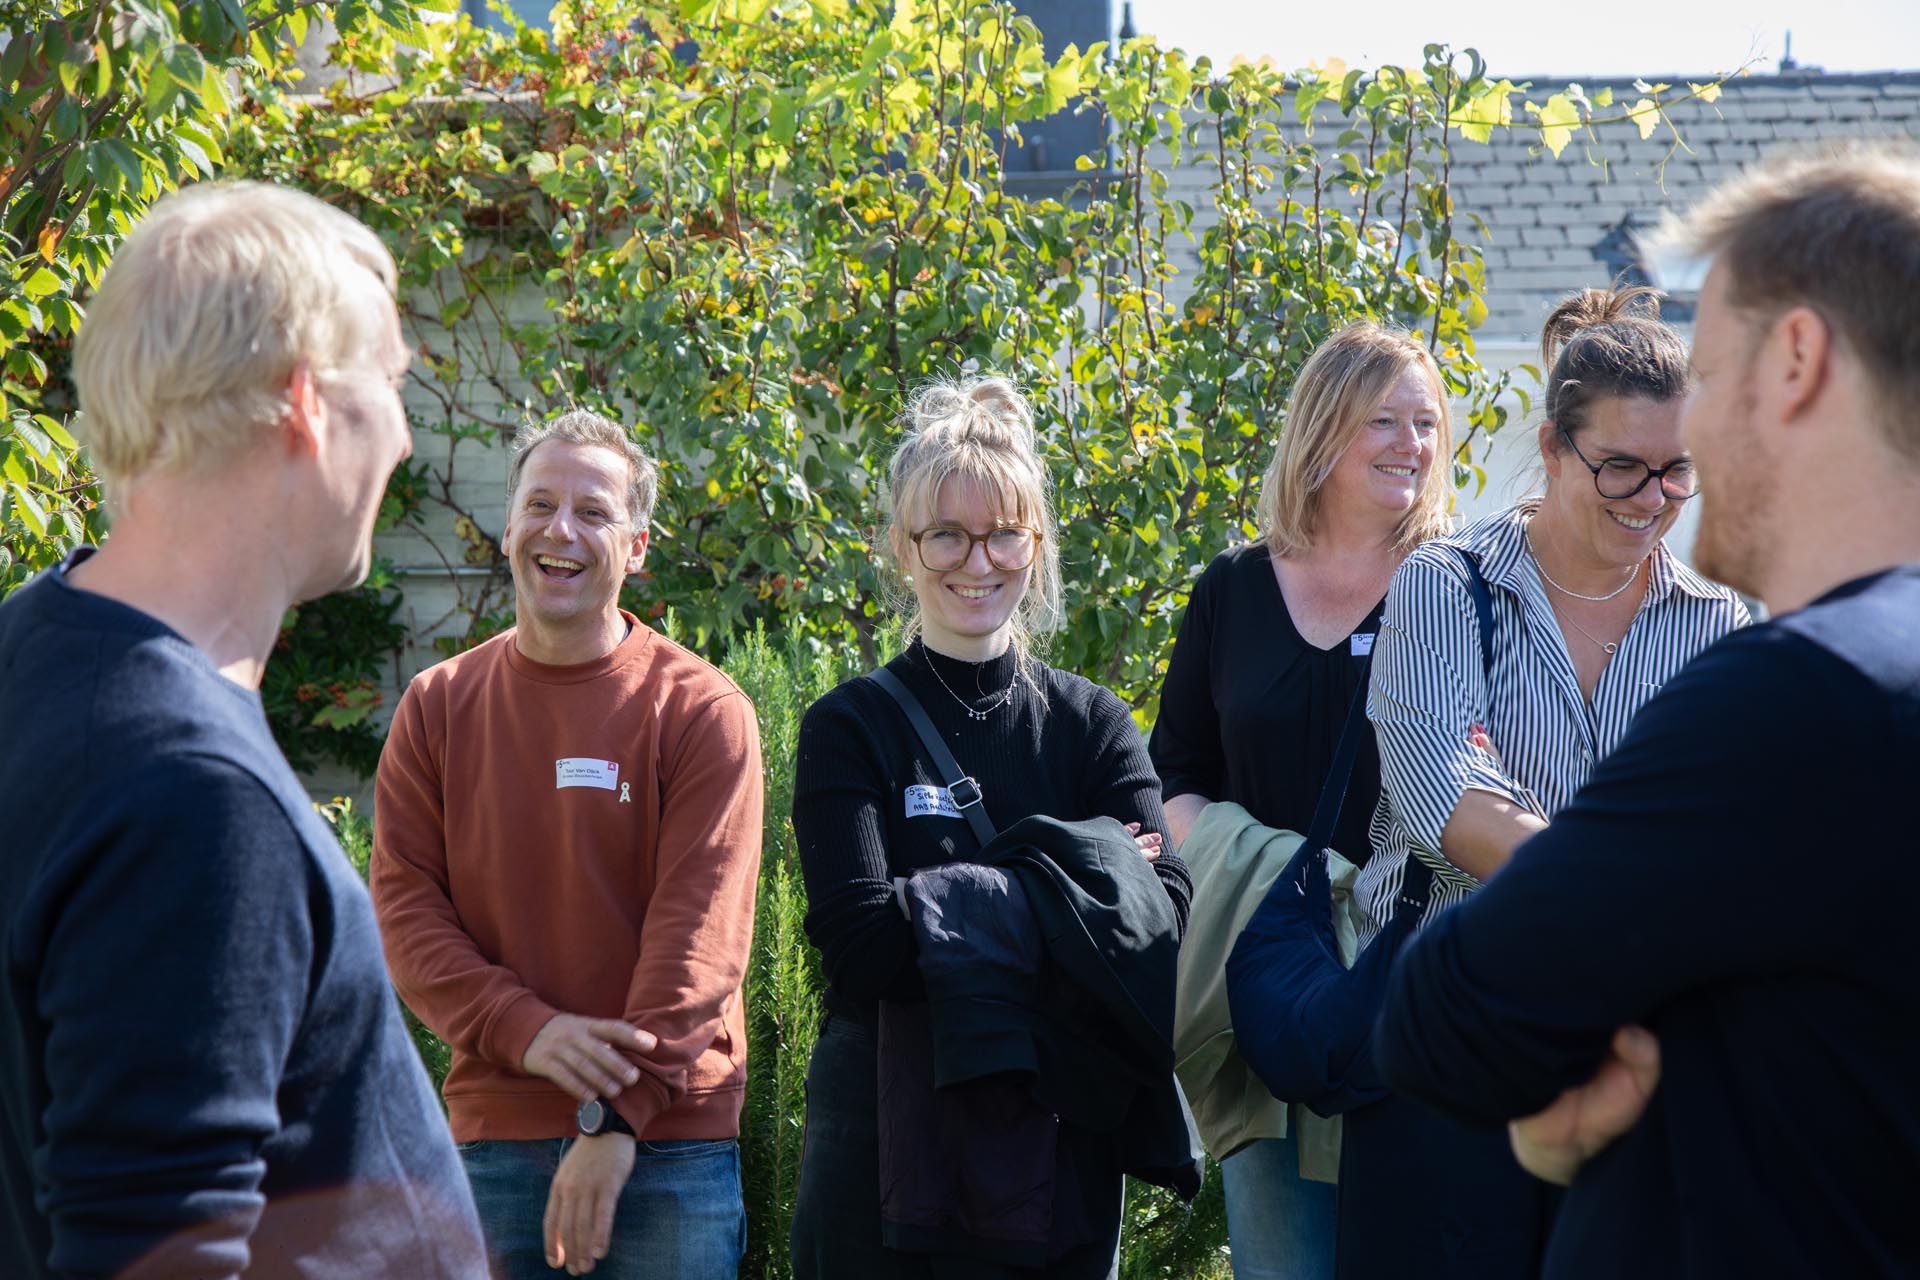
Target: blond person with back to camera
206	1073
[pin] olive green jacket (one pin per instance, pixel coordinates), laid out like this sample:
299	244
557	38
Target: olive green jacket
1234	861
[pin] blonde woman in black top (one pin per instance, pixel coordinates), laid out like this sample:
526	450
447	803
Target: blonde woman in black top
1270	655
972	536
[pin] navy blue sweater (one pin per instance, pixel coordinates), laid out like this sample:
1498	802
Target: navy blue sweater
202	1066
1740	876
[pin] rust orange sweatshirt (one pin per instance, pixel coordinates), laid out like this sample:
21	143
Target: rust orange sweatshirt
583	840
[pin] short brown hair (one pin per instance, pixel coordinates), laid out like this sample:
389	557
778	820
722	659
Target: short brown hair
1837	231
578	426
1602	344
1336	391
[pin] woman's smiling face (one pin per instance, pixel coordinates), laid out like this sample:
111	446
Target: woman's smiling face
966	610
1387	464
1617	532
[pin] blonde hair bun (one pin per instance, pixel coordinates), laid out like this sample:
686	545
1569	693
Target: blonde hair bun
978	428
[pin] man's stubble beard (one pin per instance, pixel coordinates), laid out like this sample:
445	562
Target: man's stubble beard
1734	543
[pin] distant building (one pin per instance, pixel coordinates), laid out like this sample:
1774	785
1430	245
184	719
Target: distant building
1557	225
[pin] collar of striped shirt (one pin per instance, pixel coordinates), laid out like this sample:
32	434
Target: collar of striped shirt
1499	543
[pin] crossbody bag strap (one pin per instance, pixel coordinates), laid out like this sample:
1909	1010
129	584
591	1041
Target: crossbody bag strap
1417	884
1483	607
961	786
1333	792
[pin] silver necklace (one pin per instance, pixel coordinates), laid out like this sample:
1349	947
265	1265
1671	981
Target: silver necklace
1588	634
1533	556
1002	700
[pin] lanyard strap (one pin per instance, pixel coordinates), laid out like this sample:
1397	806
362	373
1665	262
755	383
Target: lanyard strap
961	786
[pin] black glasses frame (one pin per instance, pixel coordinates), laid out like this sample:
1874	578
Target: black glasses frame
1033	546
1652	473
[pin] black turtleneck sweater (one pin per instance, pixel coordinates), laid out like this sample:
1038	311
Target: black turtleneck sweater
861	769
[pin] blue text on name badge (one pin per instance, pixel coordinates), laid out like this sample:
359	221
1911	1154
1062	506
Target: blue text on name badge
1360	643
929	802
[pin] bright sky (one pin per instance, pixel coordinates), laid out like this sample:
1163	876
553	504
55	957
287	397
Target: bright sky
1548	38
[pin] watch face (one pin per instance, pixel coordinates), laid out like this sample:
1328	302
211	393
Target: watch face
591	1117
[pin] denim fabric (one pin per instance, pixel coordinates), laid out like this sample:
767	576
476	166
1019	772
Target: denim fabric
1280	1225
680	1217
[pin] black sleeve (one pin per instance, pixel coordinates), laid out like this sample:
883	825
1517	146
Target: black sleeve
1186	749
1678	866
172	980
839	801
1123	785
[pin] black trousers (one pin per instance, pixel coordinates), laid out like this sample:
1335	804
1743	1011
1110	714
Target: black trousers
1422	1195
836	1216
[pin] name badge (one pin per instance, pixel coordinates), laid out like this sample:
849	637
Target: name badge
1360	643
930	802
584	771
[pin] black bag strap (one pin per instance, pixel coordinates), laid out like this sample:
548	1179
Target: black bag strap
1416	883
961	786
1333	792
1418	879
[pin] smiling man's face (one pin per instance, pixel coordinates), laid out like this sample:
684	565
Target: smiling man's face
570	539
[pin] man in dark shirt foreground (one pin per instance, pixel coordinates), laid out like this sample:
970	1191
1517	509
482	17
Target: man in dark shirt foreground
1701	971
203	1070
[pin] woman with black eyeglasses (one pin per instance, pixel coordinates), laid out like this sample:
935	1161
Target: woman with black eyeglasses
1591	615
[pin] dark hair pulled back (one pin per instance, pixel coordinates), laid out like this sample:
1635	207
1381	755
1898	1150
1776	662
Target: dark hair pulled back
1609	342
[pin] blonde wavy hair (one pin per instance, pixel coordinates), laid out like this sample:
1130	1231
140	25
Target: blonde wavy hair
977	428
1333	397
205	311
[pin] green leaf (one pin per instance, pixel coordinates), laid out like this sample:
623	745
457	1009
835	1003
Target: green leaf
41	284
32	514
1646	115
1558	119
123	158
1062	84
37	441
59	433
194	154
184	63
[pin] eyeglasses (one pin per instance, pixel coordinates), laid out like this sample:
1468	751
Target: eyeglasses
943	548
1624	477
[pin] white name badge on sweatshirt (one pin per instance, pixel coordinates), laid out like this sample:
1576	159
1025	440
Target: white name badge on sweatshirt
585	771
1360	643
928	802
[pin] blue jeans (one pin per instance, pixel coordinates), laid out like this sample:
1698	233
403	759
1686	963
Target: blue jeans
680	1217
1280	1225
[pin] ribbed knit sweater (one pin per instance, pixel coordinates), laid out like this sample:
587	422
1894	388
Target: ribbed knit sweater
866	799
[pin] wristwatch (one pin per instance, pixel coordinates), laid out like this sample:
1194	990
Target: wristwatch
597	1117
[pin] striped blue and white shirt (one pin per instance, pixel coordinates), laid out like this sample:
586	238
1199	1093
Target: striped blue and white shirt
1429	688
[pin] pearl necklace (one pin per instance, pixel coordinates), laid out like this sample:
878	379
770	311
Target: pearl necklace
1002	700
1548	578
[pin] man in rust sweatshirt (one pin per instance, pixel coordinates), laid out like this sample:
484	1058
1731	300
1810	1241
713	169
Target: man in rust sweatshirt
566	840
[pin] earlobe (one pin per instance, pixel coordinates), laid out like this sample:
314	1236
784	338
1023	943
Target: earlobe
637	557
1549	458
